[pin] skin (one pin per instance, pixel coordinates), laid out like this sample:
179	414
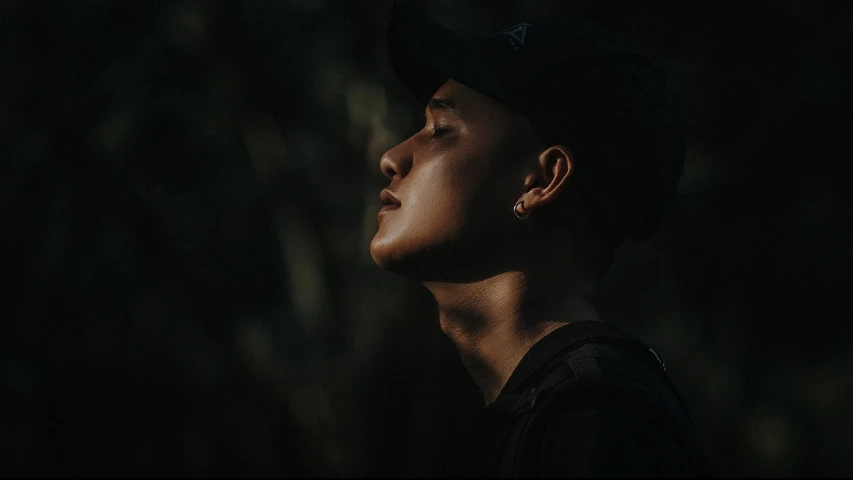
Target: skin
501	284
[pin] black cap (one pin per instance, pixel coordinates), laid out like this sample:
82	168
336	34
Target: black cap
580	85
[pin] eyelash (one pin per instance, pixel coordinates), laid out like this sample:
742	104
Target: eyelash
438	131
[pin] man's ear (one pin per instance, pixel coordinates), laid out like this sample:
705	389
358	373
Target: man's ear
547	180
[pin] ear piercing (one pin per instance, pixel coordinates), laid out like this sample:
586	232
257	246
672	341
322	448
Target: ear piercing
518	214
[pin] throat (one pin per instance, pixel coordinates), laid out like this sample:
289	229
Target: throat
491	354
494	323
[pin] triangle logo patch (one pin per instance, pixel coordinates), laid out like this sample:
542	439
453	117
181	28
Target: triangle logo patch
517	33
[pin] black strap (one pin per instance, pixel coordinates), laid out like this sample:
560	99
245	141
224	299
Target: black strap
598	332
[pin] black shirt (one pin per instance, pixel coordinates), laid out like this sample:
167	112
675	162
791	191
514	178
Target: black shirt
586	400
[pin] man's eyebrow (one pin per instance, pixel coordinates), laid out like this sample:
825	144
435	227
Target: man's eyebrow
442	104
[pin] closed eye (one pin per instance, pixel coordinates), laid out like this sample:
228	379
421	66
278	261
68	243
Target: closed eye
438	131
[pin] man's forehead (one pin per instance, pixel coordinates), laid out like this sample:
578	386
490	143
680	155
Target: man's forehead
457	97
450	87
473	106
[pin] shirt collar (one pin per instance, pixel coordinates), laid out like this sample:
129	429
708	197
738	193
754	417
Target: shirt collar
546	349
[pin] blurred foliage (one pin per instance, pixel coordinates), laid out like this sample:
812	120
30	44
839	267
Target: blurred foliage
189	189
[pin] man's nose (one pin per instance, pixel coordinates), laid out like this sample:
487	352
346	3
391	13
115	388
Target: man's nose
397	161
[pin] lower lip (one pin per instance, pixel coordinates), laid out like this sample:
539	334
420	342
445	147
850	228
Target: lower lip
388	208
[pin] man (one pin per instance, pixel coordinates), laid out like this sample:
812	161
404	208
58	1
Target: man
545	147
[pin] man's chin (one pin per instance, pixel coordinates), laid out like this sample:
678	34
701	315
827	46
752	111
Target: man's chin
422	263
387	261
417	266
394	261
381	254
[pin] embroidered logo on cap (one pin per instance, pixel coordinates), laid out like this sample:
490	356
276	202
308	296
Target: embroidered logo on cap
516	34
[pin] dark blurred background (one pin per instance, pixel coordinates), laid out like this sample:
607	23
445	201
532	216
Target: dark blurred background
189	188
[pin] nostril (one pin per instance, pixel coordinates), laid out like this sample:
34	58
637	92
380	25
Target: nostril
397	161
387	166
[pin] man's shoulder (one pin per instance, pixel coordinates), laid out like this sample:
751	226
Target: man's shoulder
623	381
587	401
602	404
605	364
623	365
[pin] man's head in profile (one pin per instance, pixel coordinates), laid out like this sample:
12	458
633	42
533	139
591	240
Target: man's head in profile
556	120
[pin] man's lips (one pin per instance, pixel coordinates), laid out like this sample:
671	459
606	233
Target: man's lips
390	201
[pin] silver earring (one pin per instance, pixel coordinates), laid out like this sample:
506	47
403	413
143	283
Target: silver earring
520	216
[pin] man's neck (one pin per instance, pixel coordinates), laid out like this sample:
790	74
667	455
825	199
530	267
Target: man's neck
493	322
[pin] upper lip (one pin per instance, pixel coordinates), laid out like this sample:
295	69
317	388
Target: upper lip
388	198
